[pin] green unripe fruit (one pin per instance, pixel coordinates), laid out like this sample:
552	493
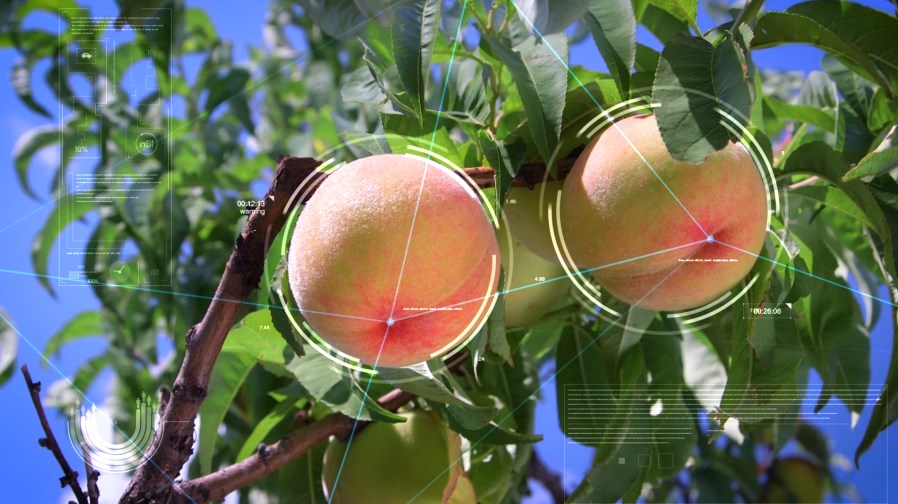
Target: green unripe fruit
794	479
533	286
390	463
527	211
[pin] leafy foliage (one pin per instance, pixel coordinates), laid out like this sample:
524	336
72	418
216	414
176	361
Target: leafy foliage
491	83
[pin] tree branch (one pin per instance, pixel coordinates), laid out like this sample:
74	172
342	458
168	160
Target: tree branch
550	480
173	444
93	490
294	182
69	476
267	459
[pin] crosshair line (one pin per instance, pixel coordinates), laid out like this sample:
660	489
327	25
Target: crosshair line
390	321
187	295
544	383
809	274
92	403
249	87
613	122
555	279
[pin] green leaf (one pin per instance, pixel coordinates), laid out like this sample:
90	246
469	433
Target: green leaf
610	481
837	340
9	342
778	28
870	30
27	146
299	482
494	433
467	102
419	380
505	159
818	158
230	371
883	112
613	27
336	388
659	21
226	88
20	78
337	18
638	320
885	411
802	113
874	163
264	426
86	323
414	31
540	75
198	31
713	77
756	391
835	199
68	209
250	342
684	10
546	17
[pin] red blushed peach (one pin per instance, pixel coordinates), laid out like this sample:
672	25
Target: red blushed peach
615	211
384	242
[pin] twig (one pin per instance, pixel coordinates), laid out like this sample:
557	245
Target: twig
173	445
93	490
748	13
548	478
69	476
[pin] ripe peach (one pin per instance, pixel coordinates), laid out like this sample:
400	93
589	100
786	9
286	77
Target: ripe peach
533	286
396	462
615	211
527	211
357	266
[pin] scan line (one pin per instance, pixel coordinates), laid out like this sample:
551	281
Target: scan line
807	273
88	399
544	383
390	321
613	123
562	277
187	295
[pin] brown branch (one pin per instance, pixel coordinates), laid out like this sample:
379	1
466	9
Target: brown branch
549	479
93	490
69	476
267	459
294	182
173	444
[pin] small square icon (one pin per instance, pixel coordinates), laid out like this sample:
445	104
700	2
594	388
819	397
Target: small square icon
621	460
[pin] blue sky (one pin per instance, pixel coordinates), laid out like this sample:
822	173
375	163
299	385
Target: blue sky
37	315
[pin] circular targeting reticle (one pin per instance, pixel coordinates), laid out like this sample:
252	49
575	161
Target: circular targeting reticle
588	291
402	317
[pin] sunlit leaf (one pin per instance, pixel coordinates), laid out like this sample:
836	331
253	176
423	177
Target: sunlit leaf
695	82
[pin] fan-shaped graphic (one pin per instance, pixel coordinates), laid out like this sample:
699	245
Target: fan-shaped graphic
86	432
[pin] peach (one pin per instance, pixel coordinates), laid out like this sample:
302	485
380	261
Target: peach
393	260
418	459
794	479
527	211
636	234
533	286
